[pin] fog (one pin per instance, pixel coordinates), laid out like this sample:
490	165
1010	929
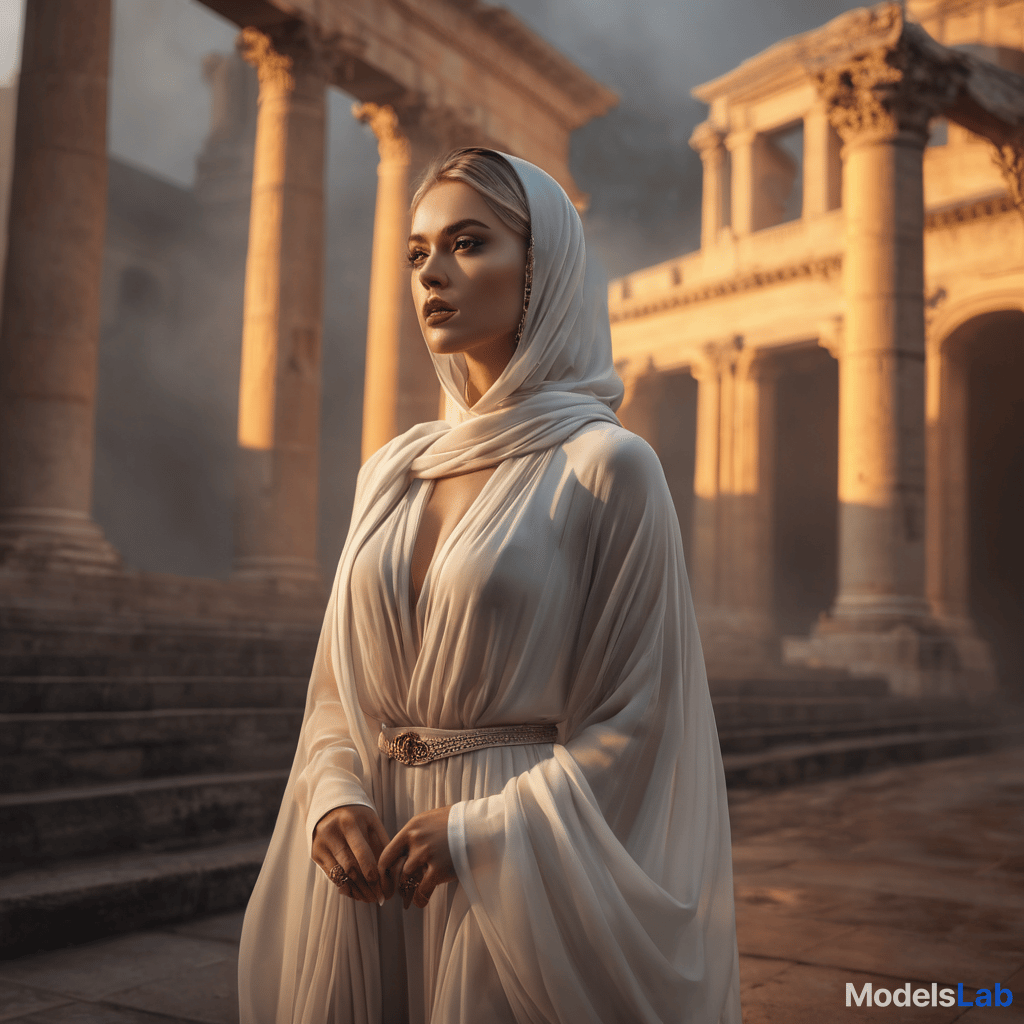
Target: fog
635	163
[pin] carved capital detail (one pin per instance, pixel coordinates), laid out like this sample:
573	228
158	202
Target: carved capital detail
716	358
1009	158
882	76
831	335
707	139
414	131
279	52
392	143
886	92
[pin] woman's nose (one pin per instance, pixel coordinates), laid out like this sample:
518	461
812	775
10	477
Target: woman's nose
432	271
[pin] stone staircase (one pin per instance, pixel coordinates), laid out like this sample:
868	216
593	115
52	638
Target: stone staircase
141	768
810	725
141	771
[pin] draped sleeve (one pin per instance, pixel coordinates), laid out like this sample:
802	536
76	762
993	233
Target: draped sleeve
332	770
601	878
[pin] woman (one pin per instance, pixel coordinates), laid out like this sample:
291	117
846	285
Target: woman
513	593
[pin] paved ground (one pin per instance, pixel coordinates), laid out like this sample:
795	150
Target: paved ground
910	875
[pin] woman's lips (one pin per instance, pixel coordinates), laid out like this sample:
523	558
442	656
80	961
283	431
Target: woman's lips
439	316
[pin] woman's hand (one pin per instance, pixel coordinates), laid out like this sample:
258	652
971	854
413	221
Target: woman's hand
419	852
352	836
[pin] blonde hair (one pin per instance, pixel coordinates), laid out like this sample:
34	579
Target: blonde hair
491	175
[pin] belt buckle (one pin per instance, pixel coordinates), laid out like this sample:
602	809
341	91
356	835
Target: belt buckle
408	747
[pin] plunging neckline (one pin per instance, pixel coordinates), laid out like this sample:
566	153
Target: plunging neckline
414	602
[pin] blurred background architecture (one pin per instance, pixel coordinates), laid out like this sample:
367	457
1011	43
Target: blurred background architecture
193	366
835	378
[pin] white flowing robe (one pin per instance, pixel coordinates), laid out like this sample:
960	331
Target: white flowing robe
594	874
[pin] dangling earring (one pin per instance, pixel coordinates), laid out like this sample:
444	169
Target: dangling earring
526	291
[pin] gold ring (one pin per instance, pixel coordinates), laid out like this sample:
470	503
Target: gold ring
338	876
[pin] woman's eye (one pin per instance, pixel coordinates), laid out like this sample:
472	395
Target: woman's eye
473	243
413	258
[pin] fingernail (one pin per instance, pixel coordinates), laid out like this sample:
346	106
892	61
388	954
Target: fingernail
380	901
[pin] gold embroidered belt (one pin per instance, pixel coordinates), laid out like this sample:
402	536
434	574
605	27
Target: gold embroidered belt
421	745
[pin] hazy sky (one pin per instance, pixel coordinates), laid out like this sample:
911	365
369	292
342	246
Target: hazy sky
643	179
644	183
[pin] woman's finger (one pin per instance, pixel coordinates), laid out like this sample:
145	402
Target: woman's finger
395	850
378	838
367	864
391	874
358	888
425	888
407	887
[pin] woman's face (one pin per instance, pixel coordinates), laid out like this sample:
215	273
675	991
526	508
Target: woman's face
468	274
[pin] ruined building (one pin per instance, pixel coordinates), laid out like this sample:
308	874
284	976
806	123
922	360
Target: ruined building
835	380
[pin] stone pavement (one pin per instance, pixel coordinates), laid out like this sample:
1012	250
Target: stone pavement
912	874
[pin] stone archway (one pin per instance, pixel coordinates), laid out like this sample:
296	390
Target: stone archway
976	484
994	429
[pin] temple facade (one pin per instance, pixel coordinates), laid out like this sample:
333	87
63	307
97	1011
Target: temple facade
834	380
479	76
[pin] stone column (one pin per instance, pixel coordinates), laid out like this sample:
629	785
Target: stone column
742	147
750	507
880	622
401	386
733	501
716	198
705	541
822	164
641	400
51	301
279	395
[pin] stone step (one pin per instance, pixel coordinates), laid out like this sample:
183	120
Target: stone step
45	750
254	661
749	740
764	712
808	683
80	899
786	764
149	814
62	693
31	631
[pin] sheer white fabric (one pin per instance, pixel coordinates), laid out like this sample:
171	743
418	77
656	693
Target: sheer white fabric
594	874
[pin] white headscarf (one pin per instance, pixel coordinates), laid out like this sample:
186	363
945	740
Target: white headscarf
560	376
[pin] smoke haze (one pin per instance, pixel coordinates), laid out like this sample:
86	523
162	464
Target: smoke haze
644	184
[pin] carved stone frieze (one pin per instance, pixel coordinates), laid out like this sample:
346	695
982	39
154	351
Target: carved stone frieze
825	268
964	213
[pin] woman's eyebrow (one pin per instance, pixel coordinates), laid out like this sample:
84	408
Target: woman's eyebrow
453	229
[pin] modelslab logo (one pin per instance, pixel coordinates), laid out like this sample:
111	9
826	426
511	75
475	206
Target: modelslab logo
934	996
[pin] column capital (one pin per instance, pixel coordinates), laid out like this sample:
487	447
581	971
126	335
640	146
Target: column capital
410	129
716	358
1009	158
279	52
890	90
739	138
392	142
707	139
757	364
830	336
